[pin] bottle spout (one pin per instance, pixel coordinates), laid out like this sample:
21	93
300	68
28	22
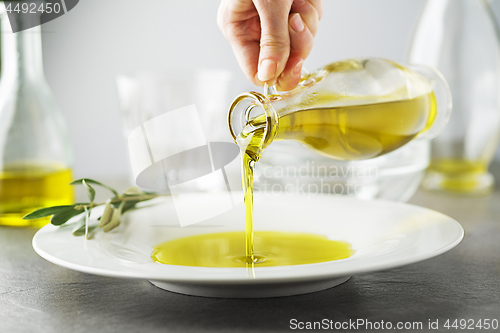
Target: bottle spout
251	106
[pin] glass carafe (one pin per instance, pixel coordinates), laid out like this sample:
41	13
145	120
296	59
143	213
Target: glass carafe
349	110
460	38
35	151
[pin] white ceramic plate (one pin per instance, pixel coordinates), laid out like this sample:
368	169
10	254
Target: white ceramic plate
384	235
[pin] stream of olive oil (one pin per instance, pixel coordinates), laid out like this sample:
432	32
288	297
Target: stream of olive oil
346	133
25	188
251	144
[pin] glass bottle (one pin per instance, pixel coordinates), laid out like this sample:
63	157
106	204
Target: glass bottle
35	151
460	39
348	110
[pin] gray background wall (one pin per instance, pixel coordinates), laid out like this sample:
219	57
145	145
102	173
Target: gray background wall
87	48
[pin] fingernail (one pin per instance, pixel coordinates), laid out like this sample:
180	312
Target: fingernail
299	2
267	70
298	68
296	23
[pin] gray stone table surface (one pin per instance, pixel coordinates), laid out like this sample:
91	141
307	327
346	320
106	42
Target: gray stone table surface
38	296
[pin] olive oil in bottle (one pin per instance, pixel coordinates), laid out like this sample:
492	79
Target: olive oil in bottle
356	132
457	175
25	188
35	150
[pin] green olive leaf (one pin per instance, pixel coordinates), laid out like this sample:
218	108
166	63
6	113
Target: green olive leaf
81	231
129	205
64	216
83	227
134	190
80	228
90	191
89	230
44	212
107	214
95	182
122	203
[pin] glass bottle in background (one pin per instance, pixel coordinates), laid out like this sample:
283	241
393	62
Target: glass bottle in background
460	39
35	151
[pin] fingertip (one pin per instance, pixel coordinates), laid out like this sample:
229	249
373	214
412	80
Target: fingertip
267	70
290	77
310	12
298	3
287	83
297	70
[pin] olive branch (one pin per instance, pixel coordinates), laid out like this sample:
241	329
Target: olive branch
114	208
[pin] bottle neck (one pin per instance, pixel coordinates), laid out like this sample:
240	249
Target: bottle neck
21	53
241	112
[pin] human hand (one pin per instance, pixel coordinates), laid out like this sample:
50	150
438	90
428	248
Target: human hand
271	39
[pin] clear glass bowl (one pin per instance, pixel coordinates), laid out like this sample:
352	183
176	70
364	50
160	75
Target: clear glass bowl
289	168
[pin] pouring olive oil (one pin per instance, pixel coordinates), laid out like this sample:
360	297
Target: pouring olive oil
236	249
351	132
351	110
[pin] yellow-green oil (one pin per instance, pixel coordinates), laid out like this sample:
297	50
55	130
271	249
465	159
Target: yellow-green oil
227	249
357	132
27	187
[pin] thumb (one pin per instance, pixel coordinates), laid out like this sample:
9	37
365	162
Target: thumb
274	39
